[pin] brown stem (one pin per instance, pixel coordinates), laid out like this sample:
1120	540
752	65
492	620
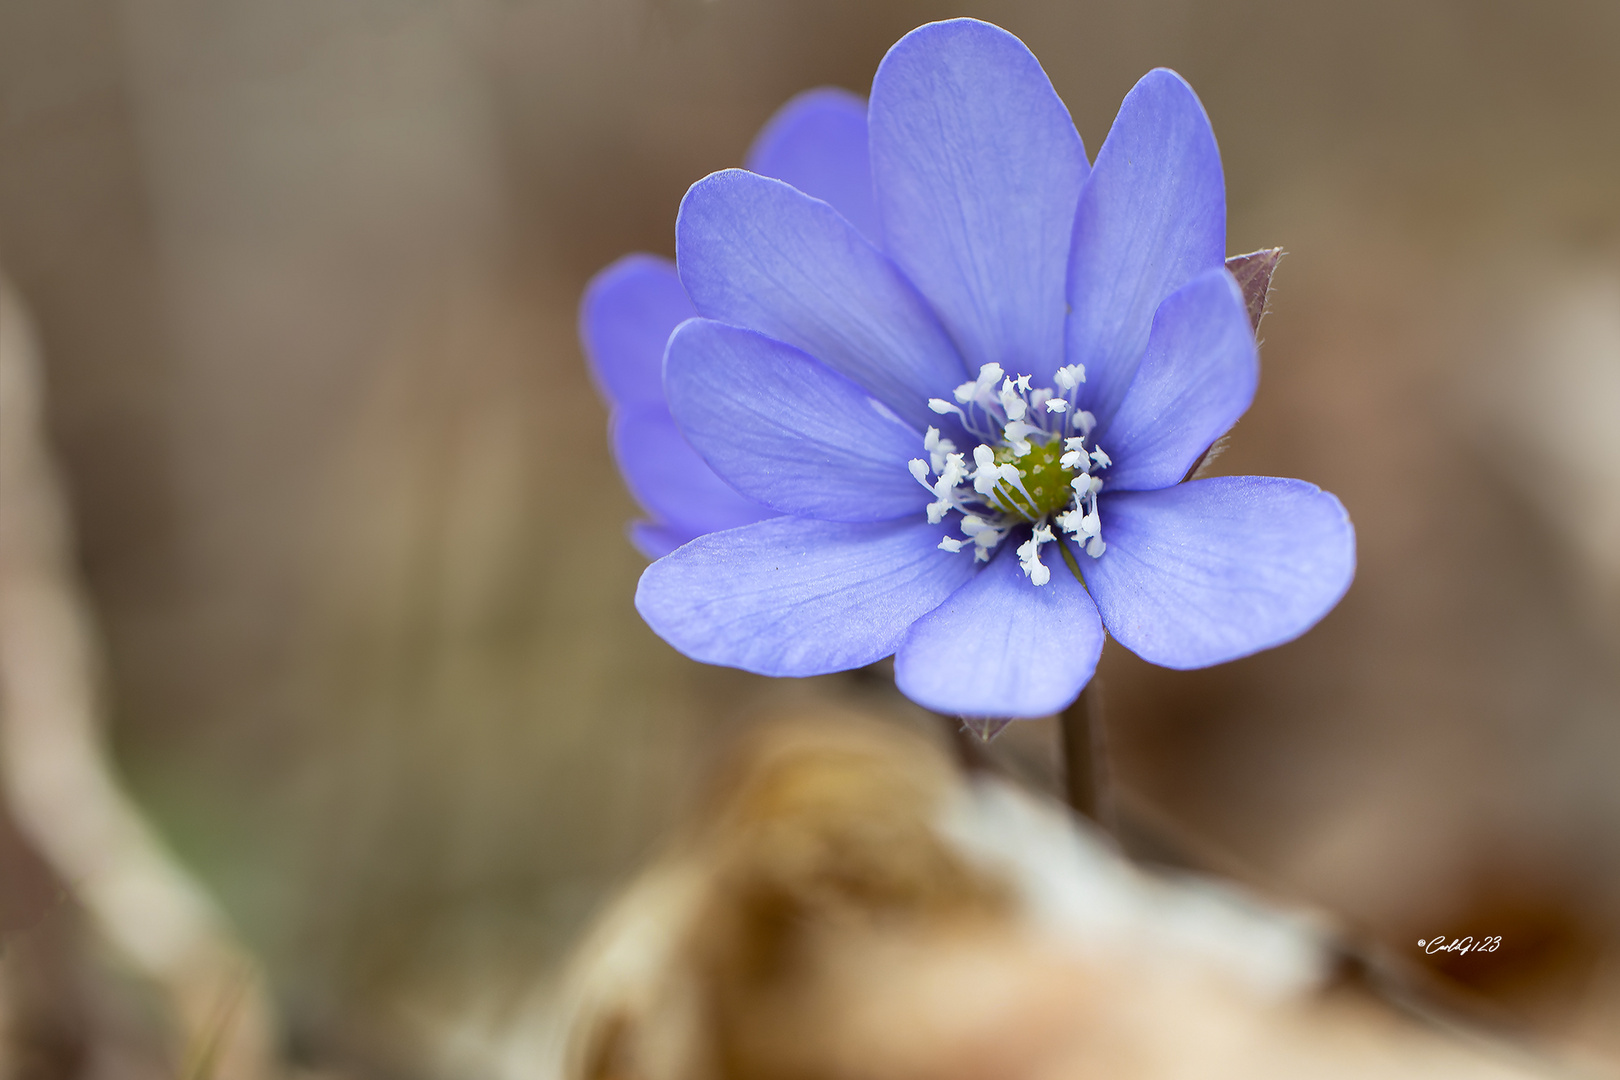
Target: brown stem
1085	756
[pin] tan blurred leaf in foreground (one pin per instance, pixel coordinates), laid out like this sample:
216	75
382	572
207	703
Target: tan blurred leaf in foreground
847	905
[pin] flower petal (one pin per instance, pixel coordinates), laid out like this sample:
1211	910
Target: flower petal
1152	217
627	314
1197	377
1001	646
1208	571
978	169
791	596
756	253
817	143
670	481
788	431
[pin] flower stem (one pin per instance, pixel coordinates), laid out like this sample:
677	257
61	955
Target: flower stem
1085	757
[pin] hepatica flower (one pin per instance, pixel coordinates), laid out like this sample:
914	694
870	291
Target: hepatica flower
931	384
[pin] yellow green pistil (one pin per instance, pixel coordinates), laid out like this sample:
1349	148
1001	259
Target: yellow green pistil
1032	468
1045	479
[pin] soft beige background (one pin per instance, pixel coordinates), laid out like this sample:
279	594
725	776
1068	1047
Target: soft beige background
305	276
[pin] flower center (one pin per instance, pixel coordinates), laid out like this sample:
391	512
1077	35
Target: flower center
1045	480
1031	467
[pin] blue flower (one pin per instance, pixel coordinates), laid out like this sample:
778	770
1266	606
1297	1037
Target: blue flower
924	369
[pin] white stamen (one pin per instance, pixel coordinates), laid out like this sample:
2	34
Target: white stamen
1011	475
1029	555
1006	415
945	490
1017	434
1079	523
988	472
938	449
1070	375
1011	403
1076	456
985	535
1086	485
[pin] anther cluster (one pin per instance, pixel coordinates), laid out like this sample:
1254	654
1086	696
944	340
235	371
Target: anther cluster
1031	466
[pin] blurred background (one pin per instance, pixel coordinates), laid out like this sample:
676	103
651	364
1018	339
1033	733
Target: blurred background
303	276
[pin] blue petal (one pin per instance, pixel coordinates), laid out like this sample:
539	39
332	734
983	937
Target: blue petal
759	254
796	597
817	143
1001	646
1212	570
1152	217
625	317
670	481
788	431
978	168
1197	377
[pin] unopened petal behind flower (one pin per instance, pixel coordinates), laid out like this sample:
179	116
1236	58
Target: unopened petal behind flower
818	143
626	316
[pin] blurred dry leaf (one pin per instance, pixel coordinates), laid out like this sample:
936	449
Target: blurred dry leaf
55	772
847	906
